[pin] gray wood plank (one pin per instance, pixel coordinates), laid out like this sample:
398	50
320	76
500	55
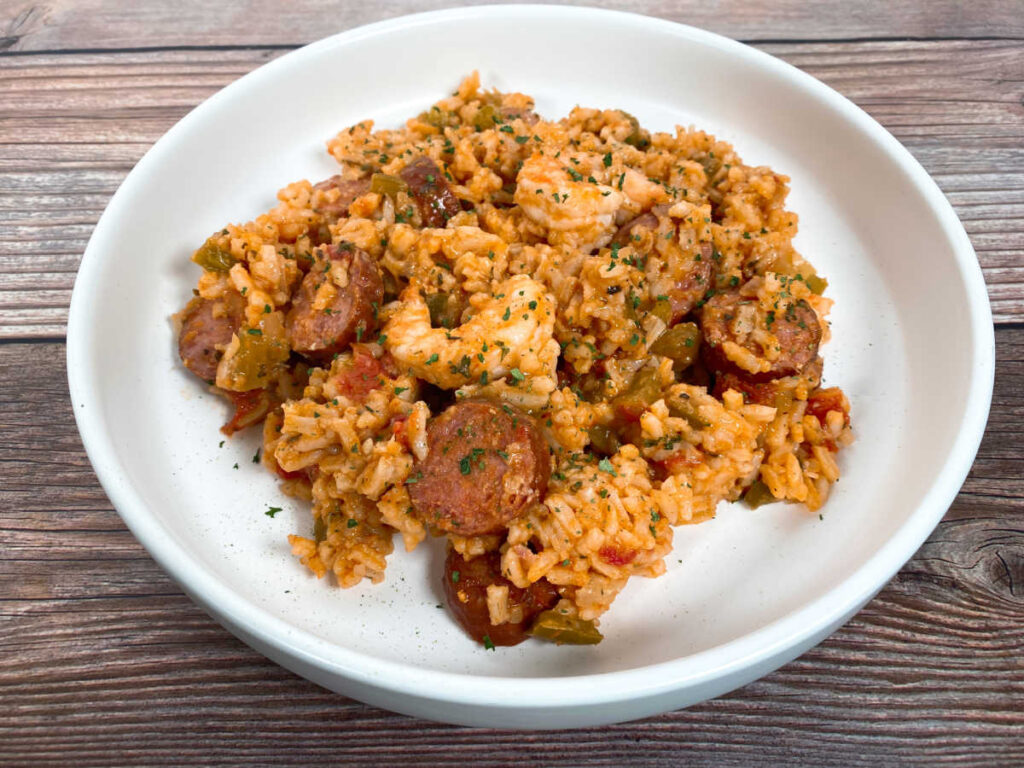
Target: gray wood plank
72	126
66	24
104	662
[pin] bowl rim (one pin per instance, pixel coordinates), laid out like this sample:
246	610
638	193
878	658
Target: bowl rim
759	647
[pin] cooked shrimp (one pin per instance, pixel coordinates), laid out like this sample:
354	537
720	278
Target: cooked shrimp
641	193
510	333
575	210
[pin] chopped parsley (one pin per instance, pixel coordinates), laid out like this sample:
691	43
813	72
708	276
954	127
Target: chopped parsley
272	511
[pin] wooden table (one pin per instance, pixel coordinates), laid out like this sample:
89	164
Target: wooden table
104	661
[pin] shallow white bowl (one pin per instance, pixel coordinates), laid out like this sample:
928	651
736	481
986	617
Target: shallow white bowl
912	347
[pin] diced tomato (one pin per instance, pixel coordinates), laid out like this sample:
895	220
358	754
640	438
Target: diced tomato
630	410
398	430
615	556
680	462
250	408
285	475
831	399
362	376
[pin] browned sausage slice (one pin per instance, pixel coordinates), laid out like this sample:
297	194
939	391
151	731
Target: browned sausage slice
766	392
626	232
691	274
794	323
350	316
434	197
528	116
207	326
348	190
693	279
465	587
486	463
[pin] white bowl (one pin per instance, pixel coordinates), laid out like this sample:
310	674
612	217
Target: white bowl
913	348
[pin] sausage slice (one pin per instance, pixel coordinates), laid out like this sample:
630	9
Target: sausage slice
765	392
207	326
793	323
465	588
434	197
348	190
690	274
528	116
321	332
485	464
693	279
624	236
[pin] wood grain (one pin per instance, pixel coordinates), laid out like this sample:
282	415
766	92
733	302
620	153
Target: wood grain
103	662
72	24
73	125
102	657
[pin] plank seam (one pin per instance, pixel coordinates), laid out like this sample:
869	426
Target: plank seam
291	46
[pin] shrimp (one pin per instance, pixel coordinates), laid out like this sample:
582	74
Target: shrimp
573	206
511	333
641	193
